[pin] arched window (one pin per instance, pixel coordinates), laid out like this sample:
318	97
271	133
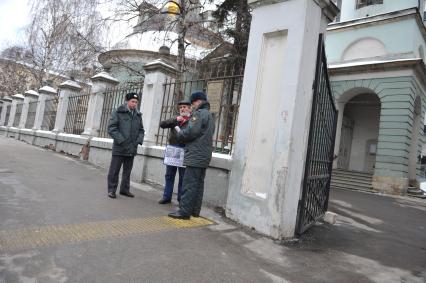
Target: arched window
363	3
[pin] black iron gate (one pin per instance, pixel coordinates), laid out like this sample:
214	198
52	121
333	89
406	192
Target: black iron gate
319	158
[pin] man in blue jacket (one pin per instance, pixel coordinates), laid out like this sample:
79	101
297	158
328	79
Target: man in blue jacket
126	128
198	140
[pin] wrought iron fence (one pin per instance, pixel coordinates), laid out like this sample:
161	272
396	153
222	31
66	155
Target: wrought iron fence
76	113
32	109
114	97
49	116
6	121
223	85
18	114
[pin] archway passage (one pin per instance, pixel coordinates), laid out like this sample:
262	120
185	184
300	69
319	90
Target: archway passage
359	133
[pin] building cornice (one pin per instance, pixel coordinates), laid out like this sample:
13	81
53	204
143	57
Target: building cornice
373	20
329	9
415	64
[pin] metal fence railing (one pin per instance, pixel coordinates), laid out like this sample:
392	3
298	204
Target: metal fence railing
32	109
76	114
49	116
113	98
18	114
6	121
223	88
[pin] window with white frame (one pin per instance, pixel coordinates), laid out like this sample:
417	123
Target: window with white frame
363	3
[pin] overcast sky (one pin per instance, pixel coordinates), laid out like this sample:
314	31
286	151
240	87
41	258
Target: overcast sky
13	18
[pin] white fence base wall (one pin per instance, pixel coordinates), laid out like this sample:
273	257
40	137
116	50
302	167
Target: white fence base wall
27	135
3	130
13	132
70	144
45	139
147	167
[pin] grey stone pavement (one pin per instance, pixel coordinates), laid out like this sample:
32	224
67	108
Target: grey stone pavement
376	238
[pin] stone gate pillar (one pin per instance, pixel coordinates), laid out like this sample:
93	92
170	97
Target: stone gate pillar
17	98
274	118
30	95
101	82
7	101
153	91
45	93
66	89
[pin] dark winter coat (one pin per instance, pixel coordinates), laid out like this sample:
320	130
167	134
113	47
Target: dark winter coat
126	130
171	124
198	137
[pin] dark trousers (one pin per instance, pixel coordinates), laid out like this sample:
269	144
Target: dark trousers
114	170
193	189
170	181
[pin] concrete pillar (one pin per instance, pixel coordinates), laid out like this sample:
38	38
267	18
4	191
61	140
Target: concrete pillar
101	82
153	91
66	89
30	95
7	101
273	124
17	98
45	93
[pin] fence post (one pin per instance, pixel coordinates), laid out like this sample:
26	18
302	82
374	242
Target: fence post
30	95
44	93
7	101
156	74
15	99
66	89
101	82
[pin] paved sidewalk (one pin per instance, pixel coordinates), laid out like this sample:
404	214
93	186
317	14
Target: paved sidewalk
58	225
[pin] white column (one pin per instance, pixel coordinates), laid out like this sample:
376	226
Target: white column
152	98
273	122
30	96
101	82
66	89
340	108
6	102
17	98
45	93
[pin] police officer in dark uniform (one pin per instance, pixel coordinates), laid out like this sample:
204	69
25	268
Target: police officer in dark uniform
126	128
198	140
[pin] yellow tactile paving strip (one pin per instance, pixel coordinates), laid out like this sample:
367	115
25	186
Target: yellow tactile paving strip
11	240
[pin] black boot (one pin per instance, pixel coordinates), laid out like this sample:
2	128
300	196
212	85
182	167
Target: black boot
178	215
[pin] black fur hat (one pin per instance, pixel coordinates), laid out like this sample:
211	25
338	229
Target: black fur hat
132	95
198	95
